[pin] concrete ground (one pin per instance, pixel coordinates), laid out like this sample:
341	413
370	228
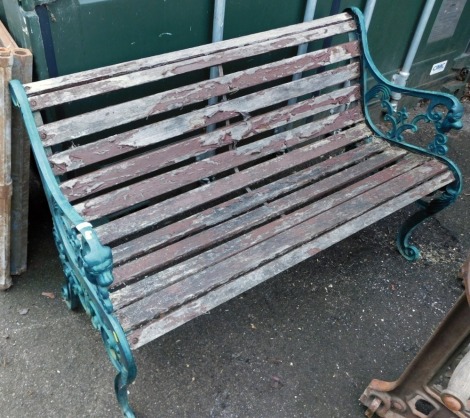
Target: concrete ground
305	344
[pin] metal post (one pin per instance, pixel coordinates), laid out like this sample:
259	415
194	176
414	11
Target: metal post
368	11
302	49
217	36
401	78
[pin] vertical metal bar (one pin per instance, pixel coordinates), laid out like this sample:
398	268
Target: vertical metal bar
217	36
310	8
308	16
302	49
6	61
368	11
423	21
401	78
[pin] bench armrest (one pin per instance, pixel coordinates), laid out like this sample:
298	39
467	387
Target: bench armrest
383	90
76	238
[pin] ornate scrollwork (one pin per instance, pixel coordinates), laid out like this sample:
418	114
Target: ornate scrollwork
443	122
87	264
87	267
398	119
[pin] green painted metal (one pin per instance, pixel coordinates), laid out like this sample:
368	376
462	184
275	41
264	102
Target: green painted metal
443	123
87	264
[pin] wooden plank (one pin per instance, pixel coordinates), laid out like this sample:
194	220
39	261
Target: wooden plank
204	304
20	165
198	242
273	39
152	215
236	206
251	258
149	162
101	86
79	157
6	62
158	281
144	190
144	107
52	134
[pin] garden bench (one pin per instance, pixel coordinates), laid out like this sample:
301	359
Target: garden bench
165	206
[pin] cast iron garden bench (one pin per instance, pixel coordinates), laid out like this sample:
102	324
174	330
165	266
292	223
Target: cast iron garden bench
165	206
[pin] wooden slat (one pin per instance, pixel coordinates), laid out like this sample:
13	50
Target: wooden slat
148	69
144	190
251	258
233	288
99	86
243	203
78	157
158	281
224	231
144	107
152	215
170	128
140	165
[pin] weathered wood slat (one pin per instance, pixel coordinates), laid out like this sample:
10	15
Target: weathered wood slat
152	215
142	108
196	243
217	296
79	157
251	258
144	190
154	74
188	122
158	281
115	174
245	202
252	44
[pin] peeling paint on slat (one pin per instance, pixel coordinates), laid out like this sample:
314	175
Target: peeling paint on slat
120	172
147	189
261	42
144	107
251	258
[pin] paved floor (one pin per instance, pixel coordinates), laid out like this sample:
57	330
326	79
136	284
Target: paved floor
305	344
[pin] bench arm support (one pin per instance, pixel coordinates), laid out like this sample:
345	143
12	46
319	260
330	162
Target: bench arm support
87	263
382	90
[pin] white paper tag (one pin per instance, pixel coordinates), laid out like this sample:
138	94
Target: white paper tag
438	67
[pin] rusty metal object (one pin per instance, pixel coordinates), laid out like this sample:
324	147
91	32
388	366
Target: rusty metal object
437	382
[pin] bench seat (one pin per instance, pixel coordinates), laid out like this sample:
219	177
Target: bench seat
172	192
183	269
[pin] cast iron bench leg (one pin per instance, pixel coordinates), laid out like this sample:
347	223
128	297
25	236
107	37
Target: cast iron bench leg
448	197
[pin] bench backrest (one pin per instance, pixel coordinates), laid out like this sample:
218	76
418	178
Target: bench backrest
106	157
